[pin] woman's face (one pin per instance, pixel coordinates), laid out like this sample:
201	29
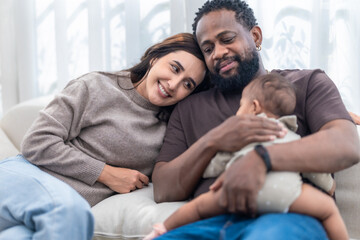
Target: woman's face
172	78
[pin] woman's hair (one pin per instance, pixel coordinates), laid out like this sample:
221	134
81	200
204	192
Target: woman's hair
179	42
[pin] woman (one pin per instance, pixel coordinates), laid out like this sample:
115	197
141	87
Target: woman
100	135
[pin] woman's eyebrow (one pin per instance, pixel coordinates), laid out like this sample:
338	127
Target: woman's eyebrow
179	64
193	82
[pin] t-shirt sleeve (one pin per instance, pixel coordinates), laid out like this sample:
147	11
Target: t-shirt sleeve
175	140
48	142
323	101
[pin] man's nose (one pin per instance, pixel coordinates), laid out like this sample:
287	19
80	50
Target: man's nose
220	51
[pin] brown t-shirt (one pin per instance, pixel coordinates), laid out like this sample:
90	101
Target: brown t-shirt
317	102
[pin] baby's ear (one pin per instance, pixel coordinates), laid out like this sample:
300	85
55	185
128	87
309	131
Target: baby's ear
256	107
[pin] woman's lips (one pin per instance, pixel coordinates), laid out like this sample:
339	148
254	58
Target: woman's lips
163	91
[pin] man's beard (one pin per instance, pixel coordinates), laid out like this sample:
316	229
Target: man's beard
245	72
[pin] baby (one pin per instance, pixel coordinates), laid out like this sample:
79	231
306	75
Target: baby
270	96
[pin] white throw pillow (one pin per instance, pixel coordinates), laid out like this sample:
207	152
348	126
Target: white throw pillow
131	215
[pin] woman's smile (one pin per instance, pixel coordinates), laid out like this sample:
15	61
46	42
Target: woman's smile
162	91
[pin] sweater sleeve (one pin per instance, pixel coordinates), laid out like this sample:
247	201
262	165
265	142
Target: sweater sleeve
48	143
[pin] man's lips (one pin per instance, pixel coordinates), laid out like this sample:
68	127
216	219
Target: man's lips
226	66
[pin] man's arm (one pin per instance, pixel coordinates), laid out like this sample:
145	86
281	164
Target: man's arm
334	147
177	179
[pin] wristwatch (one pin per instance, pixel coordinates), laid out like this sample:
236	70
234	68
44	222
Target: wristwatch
263	153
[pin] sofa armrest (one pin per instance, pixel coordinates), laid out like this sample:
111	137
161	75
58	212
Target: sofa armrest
7	148
19	118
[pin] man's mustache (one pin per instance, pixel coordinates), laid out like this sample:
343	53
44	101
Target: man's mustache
232	58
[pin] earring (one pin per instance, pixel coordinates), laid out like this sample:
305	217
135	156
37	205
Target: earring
258	48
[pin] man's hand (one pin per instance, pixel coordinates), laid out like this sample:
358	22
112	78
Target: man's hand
240	184
122	180
238	131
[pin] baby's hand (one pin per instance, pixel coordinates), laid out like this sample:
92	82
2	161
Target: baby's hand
158	230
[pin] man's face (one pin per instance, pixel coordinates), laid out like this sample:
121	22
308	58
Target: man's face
229	50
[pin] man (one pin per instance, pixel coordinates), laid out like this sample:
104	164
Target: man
204	124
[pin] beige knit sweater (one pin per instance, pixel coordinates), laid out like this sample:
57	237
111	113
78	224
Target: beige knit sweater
94	121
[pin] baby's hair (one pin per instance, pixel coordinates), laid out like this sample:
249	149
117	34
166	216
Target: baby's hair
275	94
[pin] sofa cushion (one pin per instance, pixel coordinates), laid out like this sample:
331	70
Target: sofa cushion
131	215
347	197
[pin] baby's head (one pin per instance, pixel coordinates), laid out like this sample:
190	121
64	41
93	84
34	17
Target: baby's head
271	94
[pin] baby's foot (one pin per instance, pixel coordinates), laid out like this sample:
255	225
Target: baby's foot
158	229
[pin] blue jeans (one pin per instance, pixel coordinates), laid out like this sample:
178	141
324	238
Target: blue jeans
276	226
36	205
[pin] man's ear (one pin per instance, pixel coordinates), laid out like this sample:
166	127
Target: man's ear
256	33
256	107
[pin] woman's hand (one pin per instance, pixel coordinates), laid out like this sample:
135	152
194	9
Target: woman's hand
122	180
355	118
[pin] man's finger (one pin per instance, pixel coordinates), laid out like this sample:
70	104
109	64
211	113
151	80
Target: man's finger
232	201
240	204
222	200
252	206
218	183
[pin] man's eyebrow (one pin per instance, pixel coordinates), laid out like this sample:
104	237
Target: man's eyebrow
183	69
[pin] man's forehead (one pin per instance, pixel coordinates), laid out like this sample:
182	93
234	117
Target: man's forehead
214	23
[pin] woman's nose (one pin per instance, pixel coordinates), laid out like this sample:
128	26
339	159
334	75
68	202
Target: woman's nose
174	83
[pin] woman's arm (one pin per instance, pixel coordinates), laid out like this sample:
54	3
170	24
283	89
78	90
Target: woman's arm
355	118
48	141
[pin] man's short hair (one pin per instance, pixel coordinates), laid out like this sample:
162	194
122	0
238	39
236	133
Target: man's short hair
243	13
275	93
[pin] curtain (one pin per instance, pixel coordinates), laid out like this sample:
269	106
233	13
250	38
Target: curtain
46	43
322	34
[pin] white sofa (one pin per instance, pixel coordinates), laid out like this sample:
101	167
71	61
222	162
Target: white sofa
130	216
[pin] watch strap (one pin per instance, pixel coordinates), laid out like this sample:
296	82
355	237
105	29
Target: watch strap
263	153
